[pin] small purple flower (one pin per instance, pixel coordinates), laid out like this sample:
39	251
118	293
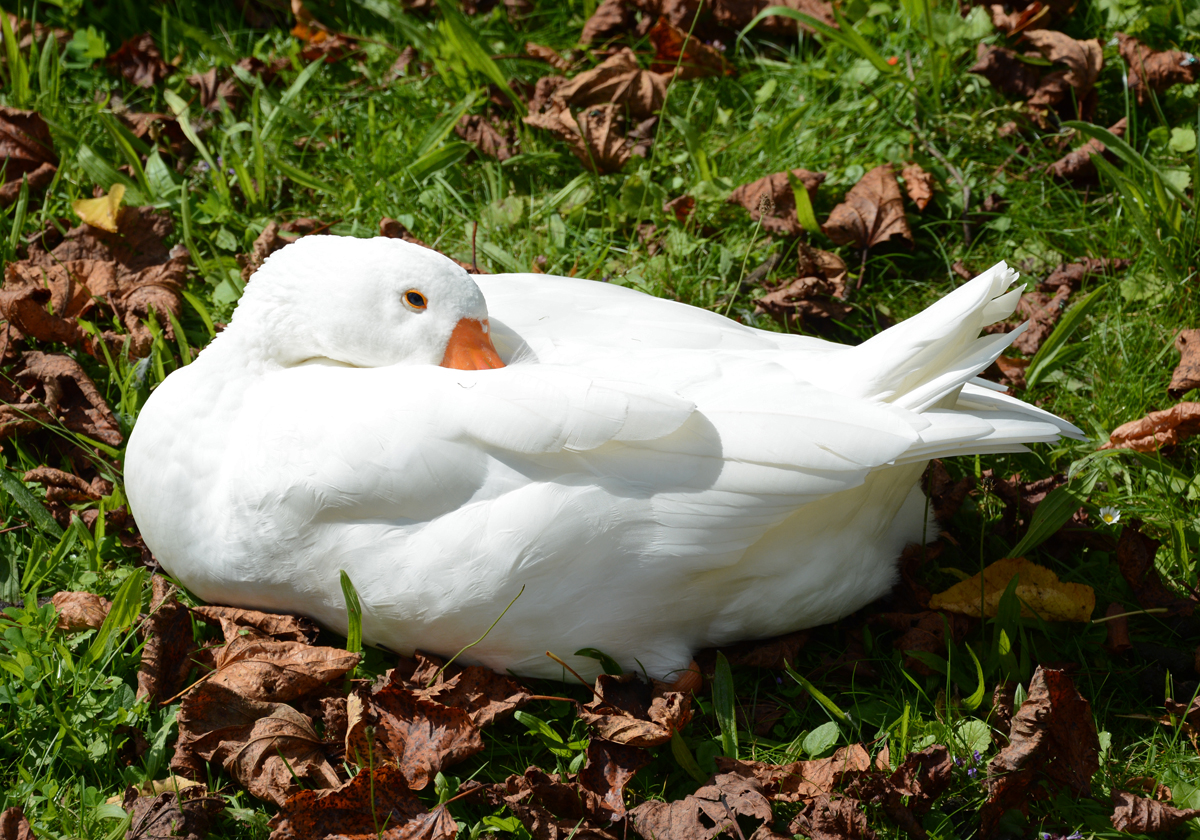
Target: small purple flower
971	771
779	680
978	757
958	762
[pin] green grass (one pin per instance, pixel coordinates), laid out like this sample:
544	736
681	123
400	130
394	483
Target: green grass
386	148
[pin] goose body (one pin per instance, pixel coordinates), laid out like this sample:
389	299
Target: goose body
657	477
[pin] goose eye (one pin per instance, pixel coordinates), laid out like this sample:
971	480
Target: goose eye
415	299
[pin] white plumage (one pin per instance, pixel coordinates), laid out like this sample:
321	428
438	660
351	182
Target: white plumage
657	477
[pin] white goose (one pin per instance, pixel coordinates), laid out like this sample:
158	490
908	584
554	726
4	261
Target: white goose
657	477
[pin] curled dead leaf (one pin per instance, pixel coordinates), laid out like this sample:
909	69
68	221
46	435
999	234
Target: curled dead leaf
771	202
1082	58
1157	429
101	212
1077	165
13	825
1135	559
1042	594
594	135
184	813
800	781
233	621
1151	70
685	56
619	80
1187	372
492	138
55	388
817	296
833	818
872	212
611	18
609	768
167	654
919	185
140	61
28	152
1139	815
66	487
278	671
550	806
626	710
703	815
80	610
1053	747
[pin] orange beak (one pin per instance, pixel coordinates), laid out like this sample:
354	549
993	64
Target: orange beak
470	347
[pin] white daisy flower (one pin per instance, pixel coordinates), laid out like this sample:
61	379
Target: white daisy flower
1110	515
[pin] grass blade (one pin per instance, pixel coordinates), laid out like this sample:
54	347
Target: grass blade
685	759
845	35
466	44
607	663
817	695
1125	152
353	613
34	509
723	706
126	605
1042	362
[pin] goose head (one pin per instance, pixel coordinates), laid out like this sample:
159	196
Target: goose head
362	303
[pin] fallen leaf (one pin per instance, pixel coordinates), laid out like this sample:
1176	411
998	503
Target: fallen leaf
710	811
609	768
817	296
374	805
911	789
1187	372
1151	70
828	818
288	628
680	207
482	693
1073	274
1005	71
1042	312
871	213
1186	717
737	14
594	135
55	388
186	813
687	57
1083	58
1157	429
13	825
547	54
611	18
139	61
101	212
1034	16
157	128
800	781
419	736
1053	748
1135	559
269	747
1012	370
265	244
542	100
626	710
1138	815
924	632
918	184
771	202
278	671
550	807
28	152
80	610
1042	594
216	93
154	787
1117	640
489	137
618	80
1077	165
68	488
945	494
167	653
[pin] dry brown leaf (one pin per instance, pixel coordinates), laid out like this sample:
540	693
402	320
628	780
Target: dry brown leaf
609	769
1012	370
619	80
1042	594
483	694
1034	16
265	244
547	54
492	138
1073	274
772	201
1186	717
1083	58
923	631
28	152
1042	311
1053	747
185	813
872	212
1187	372
80	610
1077	165
800	781
154	787
704	814
374	805
1157	429
139	61
675	52
66	487
218	93
550	808
1151	70
918	184
774	653
1138	815
680	207
626	710
910	791
233	620
832	818
611	18
817	296
419	736
594	135
102	212
13	825
1117	639
1006	72
1135	559
56	388
167	654
737	14
278	671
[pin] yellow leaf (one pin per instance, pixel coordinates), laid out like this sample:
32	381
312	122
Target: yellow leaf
1039	589
101	212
